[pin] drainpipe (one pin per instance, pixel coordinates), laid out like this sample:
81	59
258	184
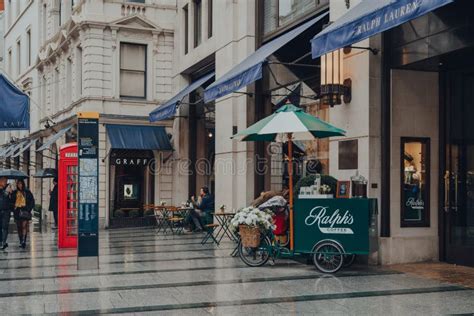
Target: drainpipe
385	137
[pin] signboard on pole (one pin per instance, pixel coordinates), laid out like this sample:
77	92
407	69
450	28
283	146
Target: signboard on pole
88	216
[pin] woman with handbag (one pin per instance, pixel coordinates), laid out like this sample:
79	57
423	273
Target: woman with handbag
24	203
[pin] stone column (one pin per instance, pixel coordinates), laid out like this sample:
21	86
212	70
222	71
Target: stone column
234	169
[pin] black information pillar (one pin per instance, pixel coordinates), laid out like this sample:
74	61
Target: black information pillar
88	215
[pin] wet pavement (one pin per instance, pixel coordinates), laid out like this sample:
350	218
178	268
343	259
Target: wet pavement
142	273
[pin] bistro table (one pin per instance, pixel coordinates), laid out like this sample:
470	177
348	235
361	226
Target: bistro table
224	218
177	218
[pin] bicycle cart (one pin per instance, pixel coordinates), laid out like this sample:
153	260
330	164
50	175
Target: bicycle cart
330	231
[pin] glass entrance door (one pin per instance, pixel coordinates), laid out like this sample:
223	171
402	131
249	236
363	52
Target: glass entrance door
458	179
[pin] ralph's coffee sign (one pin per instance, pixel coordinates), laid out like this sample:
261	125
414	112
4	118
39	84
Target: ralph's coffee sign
330	221
130	161
344	220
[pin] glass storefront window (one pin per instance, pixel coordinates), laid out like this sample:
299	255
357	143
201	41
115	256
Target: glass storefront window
280	13
415	182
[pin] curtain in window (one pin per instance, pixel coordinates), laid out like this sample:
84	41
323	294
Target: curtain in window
132	70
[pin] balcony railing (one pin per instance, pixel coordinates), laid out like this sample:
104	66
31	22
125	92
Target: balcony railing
133	8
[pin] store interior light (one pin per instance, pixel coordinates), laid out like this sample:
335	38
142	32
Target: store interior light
334	89
210	135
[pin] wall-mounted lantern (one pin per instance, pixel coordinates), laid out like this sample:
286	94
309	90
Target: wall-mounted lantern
334	89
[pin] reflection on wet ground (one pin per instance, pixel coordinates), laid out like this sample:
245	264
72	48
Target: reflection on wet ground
444	272
141	272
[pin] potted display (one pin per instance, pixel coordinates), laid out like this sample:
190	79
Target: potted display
250	222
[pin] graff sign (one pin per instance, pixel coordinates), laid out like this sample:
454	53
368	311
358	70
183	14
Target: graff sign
335	223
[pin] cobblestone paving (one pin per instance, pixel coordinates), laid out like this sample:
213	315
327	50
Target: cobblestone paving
142	273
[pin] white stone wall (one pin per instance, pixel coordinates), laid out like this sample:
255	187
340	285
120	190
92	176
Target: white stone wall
414	114
2	28
232	40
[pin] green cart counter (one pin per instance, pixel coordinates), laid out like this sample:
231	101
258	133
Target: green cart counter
350	222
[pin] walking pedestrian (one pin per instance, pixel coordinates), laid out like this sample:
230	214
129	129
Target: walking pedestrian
5	210
53	202
24	203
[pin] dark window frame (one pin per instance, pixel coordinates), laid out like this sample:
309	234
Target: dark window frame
210	9
425	216
197	22
186	29
28	43
324	6
145	92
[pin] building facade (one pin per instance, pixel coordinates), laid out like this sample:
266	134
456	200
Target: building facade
395	118
111	57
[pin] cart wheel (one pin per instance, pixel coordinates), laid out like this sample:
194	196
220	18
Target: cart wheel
328	257
256	257
349	260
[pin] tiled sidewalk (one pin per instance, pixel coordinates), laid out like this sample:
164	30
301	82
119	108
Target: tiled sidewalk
141	273
444	272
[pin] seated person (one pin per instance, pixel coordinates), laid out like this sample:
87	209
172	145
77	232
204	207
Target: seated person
201	213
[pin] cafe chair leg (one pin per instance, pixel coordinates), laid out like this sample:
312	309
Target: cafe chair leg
210	234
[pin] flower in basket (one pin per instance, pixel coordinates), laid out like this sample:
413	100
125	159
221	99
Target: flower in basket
250	221
252	217
163	203
325	189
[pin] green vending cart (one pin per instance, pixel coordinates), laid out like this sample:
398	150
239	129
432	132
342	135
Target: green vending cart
331	231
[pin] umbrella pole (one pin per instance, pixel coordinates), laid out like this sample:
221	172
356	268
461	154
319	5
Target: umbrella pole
290	175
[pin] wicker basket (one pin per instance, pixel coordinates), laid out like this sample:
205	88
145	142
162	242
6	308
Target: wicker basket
250	236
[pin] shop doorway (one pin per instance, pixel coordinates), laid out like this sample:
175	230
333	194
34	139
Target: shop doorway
131	187
458	178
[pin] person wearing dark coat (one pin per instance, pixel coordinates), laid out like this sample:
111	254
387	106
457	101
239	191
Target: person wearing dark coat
24	203
199	216
53	202
5	210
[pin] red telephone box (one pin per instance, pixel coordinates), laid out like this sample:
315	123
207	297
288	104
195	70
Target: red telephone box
68	190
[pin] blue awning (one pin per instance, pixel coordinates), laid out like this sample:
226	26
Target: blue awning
3	150
25	145
368	18
250	69
11	149
138	137
168	109
54	138
14	107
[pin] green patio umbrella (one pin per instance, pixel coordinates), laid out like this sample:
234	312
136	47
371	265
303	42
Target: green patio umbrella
287	124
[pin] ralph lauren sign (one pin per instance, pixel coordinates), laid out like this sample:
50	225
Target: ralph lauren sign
369	18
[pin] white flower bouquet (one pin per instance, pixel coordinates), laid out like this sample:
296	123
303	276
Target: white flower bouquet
252	217
249	222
